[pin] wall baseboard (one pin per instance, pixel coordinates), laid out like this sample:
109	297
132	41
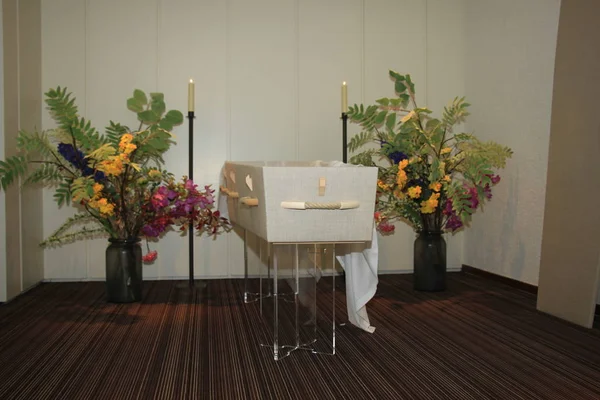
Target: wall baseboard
467	269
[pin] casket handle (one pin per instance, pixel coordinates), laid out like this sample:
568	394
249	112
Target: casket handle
227	192
249	201
307	205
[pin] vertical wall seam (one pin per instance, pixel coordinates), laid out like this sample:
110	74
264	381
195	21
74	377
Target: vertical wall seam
363	54
156	85
158	8
297	76
228	111
427	70
85	106
18	34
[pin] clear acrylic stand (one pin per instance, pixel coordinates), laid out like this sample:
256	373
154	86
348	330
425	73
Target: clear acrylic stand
288	302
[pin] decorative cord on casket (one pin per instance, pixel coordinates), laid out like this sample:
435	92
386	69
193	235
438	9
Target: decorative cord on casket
309	205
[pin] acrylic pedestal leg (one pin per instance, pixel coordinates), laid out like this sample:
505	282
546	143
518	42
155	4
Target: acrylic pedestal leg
251	295
291	315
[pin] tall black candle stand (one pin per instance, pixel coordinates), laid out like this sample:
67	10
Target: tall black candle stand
344	137
191	176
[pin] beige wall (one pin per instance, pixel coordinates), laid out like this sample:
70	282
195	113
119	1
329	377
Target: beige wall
268	77
510	49
22	110
2	200
11	126
569	268
30	118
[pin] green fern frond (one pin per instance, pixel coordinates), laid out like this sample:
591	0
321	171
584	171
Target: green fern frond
63	110
359	140
11	169
365	158
62	194
84	233
36	142
77	219
455	113
113	134
47	173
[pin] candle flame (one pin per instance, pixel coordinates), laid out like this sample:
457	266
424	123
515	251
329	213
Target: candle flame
191	81
344	83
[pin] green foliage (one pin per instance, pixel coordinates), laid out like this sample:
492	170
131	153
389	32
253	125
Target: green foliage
438	166
114	131
63	110
11	169
62	195
48	174
101	174
88	228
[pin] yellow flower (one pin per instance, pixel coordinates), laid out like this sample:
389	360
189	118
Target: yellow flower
102	205
435	186
112	166
154	174
403	164
446	150
107	209
97	188
414	192
401	178
125	145
446	178
428	206
383	186
398	193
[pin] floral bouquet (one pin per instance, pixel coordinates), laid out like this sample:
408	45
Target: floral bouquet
115	180
430	176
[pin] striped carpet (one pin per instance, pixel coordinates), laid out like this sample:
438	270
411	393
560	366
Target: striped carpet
478	340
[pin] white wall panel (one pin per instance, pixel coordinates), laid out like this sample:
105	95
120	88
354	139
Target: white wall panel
446	36
329	52
268	77
395	38
121	55
63	59
510	49
195	34
261	67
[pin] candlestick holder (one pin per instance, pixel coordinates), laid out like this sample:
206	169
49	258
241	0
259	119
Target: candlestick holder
344	137
191	284
191	176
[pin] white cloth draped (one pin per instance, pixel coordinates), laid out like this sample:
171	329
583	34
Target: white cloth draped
360	263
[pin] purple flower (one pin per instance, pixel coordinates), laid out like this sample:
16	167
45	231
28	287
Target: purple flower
487	190
189	185
397	156
474	198
454	222
77	159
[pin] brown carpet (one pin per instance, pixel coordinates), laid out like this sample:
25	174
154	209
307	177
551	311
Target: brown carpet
478	340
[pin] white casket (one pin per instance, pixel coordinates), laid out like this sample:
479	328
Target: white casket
295	201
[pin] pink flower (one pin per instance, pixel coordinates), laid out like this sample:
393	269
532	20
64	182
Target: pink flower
150	257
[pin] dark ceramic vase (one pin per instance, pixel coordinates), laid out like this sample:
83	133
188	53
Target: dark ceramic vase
124	270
